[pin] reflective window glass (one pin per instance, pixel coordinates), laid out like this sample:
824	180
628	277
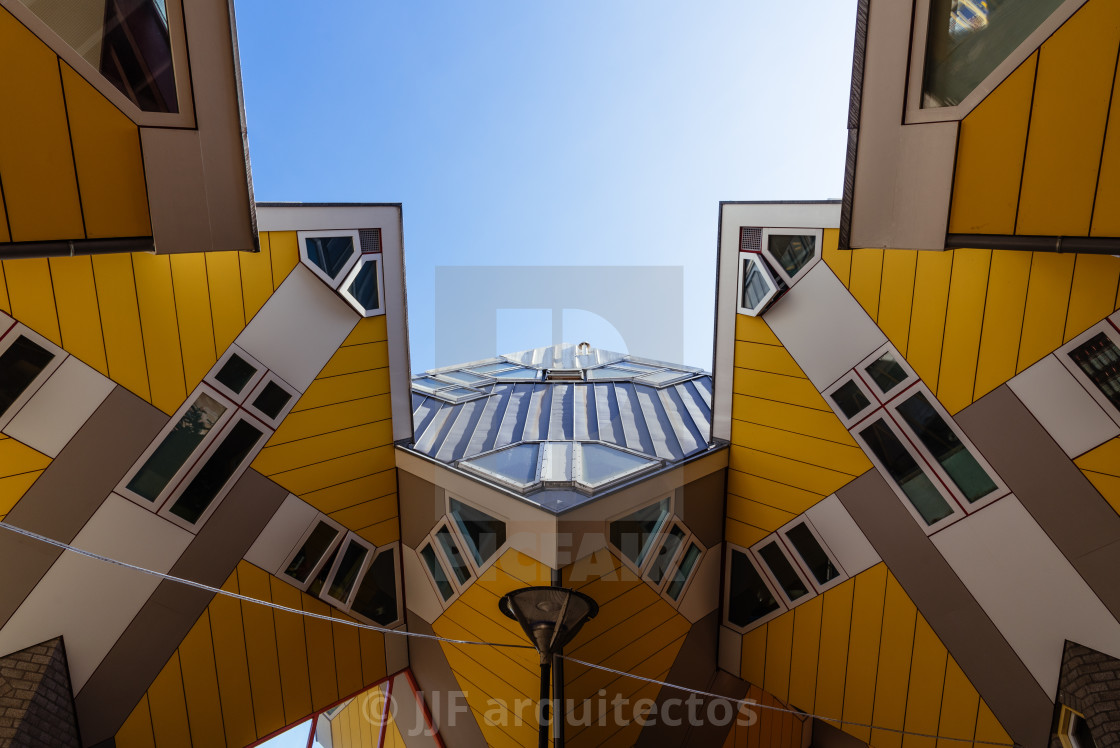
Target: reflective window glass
435	568
490	368
756	286
663	377
348	567
886	372
811	552
967	40
363	288
454	555
219	468
684	570
272	399
176	447
518	464
1099	358
749	598
601	464
20	364
483	534
665	554
610	372
235	373
465	377
330	253
947	448
635	533
792	252
320	579
518	373
783	570
376	598
850	399
312	550
906	472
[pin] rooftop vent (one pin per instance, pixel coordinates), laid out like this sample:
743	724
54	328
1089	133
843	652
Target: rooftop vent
565	375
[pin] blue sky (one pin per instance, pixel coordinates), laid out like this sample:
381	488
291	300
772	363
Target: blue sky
549	132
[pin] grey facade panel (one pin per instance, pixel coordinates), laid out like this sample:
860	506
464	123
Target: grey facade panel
982	652
704	502
438	685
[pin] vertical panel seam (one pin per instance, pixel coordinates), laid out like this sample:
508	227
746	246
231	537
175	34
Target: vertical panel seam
7	213
944	323
70	138
882	274
1023	315
217	680
183	684
97	311
983	316
178	324
944	681
1027	139
910	668
245	643
151	721
54	305
140	322
878	653
1104	140
276	646
8	298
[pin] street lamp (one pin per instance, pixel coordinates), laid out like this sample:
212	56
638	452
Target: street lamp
551	617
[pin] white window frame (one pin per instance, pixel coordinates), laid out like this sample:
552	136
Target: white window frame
655	538
767	275
7	339
690	540
662	537
502	479
394	550
872	403
210	445
343	289
799	560
878	396
441	557
350	537
303	236
340	532
192	459
238	397
1108	327
477	568
272	423
818	237
810	590
779	598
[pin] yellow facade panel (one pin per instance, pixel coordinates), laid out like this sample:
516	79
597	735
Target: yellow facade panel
779	653
964	319
927	318
990	149
927	678
842	458
367	513
1003	320
192	307
959	705
285	254
383	532
373	654
320	654
863	649
228	633
988	728
120	322
1106	220
1107	485
108	160
764	357
200	685
836	621
16	457
256	277
1044	318
342	388
5	303
742	534
798	473
893	673
803	659
295	683
839	261
897	296
756	514
260	650
156	299
32	295
13	487
796	418
1096	279
867	275
328	418
754	330
36	161
332	472
368	330
342	495
352	358
227	308
347	656
780	495
794	390
1076	67
325	446
79	318
169	707
1102	459
136	732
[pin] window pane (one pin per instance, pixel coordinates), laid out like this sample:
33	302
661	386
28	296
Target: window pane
519	373
783	571
755	285
313	549
968	39
454	555
484	534
850	399
221	465
518	464
376	598
176	447
806	545
364	287
680	576
463	376
1099	358
749	598
792	252
348	568
665	554
946	447
19	365
320	579
610	372
235	373
910	477
271	400
634	533
886	372
330	253
435	568
600	463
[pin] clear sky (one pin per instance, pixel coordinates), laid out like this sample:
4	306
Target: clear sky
549	132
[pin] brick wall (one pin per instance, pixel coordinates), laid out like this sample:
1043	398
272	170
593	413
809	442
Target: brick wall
1090	684
36	703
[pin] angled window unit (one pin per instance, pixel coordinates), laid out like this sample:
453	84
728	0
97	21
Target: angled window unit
453	554
782	571
792	252
482	534
329	254
851	399
1073	731
1093	357
364	286
27	359
377	597
636	533
235	374
272	400
682	573
349	562
662	559
437	573
757	286
886	373
812	555
312	551
749	598
447	565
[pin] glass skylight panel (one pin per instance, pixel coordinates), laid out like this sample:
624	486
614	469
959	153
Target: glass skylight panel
520	372
517	465
457	394
664	377
463	377
634	534
490	368
556	464
633	366
600	464
430	383
611	372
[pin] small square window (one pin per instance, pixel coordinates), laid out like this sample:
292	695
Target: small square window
27	359
792	252
851	399
236	374
1094	360
271	400
886	373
